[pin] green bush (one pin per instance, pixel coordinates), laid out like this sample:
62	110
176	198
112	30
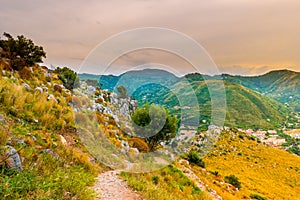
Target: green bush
233	180
155	179
257	196
194	158
68	77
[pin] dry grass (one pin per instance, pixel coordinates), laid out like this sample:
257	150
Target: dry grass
264	170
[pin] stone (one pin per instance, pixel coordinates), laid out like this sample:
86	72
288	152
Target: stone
2	120
26	86
39	89
11	158
91	90
51	152
63	140
51	97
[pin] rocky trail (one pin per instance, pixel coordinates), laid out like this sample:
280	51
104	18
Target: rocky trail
110	186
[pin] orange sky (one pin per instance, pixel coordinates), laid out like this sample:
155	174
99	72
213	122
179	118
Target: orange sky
242	36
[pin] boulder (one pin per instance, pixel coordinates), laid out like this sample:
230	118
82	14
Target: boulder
11	158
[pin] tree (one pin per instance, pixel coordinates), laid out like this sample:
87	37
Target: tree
122	91
68	77
154	124
21	52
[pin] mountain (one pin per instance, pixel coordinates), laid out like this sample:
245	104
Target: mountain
249	100
245	108
132	80
282	85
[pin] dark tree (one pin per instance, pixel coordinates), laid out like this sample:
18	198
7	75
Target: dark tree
68	77
154	124
21	52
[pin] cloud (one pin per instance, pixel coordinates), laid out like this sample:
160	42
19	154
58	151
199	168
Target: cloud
245	33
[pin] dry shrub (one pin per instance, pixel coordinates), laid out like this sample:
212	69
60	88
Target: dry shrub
100	118
80	118
25	73
112	122
85	101
5	65
138	143
76	101
99	100
3	135
57	88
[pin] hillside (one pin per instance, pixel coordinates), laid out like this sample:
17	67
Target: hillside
263	172
38	123
282	85
133	79
245	108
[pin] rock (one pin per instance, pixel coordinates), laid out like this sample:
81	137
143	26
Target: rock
51	97
63	140
51	152
2	120
26	86
39	89
11	158
91	90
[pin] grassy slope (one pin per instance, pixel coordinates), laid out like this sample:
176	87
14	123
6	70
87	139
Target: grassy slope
279	84
269	172
245	108
264	170
43	176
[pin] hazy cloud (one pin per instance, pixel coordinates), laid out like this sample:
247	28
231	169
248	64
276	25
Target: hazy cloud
248	34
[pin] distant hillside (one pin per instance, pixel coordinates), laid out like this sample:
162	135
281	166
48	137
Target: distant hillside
245	108
282	85
132	80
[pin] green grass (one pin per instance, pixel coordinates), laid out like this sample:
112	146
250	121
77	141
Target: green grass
165	184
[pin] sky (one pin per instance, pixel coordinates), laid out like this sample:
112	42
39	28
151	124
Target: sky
245	37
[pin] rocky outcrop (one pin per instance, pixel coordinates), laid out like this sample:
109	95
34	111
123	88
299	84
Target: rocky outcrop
10	157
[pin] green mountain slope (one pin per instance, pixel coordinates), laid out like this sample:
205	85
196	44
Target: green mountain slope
282	85
245	108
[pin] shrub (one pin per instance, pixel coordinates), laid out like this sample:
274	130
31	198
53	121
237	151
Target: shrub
68	77
233	180
99	100
194	158
257	196
80	118
155	179
138	143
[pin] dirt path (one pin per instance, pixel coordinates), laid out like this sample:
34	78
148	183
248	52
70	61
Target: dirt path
110	187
